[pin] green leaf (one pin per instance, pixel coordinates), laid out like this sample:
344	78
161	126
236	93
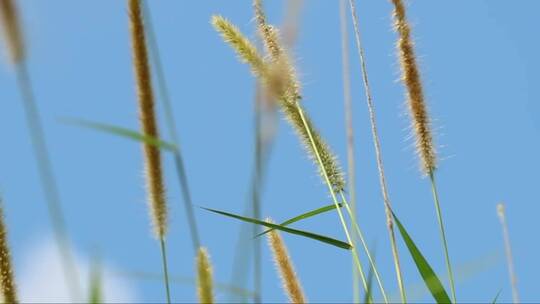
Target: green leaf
123	132
304	216
497	296
431	280
320	238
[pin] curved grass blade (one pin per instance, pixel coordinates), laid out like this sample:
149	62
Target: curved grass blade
120	131
431	280
318	237
303	216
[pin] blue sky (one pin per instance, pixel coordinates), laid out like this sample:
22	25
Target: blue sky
479	66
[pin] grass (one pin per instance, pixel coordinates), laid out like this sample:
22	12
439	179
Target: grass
278	84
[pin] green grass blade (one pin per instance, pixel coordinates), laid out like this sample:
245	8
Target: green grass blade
431	280
120	131
304	216
496	296
318	237
368	296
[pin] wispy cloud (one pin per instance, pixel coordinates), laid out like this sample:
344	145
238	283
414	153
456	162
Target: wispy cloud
41	279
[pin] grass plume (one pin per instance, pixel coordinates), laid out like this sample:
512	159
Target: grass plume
290	281
419	117
205	287
7	280
415	94
152	155
245	50
501	212
12	30
171	125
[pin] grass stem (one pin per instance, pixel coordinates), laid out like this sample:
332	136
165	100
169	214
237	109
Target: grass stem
48	182
165	268
351	168
443	234
378	152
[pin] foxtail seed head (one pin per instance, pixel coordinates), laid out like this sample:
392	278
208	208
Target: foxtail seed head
279	78
12	30
152	156
204	277
245	50
284	265
415	95
6	270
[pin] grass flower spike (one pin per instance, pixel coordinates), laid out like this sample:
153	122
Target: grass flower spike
9	291
152	156
291	284
12	30
204	277
415	95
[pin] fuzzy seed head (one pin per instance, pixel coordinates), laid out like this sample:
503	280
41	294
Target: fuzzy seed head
6	270
245	50
12	30
291	284
415	95
152	157
280	79
204	277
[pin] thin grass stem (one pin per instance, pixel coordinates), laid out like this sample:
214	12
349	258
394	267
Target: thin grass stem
333	194
351	168
165	268
378	152
48	182
366	248
443	234
170	123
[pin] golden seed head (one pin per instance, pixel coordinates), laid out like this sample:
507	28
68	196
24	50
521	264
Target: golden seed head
246	51
6	270
291	283
415	95
152	156
204	277
12	30
280	79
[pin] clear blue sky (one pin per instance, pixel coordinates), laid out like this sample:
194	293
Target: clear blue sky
479	65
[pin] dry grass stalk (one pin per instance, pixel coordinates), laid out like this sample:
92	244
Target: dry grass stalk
415	95
6	270
291	284
12	30
204	277
152	156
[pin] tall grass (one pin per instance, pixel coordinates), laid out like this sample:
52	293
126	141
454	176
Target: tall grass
419	117
152	157
378	152
13	33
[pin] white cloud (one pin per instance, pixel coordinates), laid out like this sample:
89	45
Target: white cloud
41	278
